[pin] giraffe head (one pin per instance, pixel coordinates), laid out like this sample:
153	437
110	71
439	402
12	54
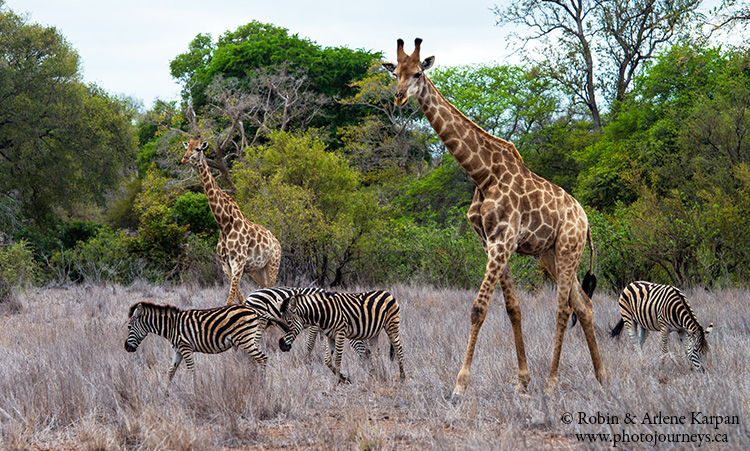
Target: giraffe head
408	71
194	150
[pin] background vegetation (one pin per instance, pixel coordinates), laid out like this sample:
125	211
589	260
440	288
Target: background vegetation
649	135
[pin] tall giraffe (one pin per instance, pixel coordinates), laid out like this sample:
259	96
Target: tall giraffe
243	246
513	210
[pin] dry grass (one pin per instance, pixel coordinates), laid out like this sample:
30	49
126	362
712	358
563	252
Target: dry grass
67	383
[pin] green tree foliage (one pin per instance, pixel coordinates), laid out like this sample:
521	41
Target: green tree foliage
237	54
386	137
61	142
192	210
311	200
506	101
590	46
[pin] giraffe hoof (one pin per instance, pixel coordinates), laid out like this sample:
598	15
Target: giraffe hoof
550	387
456	398
522	388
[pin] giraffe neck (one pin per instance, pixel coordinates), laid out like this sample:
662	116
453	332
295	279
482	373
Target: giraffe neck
479	153
222	206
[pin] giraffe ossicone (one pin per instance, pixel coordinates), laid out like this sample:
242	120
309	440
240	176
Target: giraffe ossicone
243	246
513	210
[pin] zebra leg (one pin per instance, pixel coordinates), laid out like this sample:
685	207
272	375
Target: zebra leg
392	330
176	359
312	334
362	350
334	350
633	332
248	344
664	341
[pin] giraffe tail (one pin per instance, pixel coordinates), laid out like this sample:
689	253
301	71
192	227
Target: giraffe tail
589	280
618	328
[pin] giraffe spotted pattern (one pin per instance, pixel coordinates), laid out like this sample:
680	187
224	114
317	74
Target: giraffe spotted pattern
513	210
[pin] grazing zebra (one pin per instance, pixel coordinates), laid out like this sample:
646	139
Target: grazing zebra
359	316
270	300
648	306
208	331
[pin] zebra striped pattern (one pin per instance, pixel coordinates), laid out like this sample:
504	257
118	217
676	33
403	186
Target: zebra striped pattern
359	316
209	331
647	306
270	299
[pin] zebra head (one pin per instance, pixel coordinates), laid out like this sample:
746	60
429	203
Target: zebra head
696	345
291	317
137	330
266	309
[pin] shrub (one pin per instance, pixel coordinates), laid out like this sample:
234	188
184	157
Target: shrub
17	265
192	210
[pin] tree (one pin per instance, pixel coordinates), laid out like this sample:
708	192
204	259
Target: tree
61	142
730	15
385	135
312	202
622	34
506	101
239	53
635	29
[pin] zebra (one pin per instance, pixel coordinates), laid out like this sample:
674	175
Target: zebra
356	316
646	306
270	299
209	331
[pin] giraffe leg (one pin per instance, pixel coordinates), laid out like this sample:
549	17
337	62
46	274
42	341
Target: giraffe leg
585	305
570	293
235	293
563	313
514	313
497	259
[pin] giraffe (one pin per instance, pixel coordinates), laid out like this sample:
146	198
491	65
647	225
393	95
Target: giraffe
243	246
513	210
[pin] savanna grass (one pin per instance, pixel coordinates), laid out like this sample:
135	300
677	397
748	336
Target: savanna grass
67	382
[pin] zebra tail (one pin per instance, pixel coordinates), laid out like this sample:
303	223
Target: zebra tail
618	328
393	353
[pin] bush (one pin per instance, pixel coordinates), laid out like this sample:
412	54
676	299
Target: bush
192	210
101	259
17	265
160	241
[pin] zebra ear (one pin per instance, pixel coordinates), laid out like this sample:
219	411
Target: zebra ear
288	303
708	329
135	310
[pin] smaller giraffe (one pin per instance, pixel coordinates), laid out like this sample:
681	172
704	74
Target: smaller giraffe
243	246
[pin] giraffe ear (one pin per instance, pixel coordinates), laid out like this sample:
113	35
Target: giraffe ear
203	146
427	63
390	67
185	145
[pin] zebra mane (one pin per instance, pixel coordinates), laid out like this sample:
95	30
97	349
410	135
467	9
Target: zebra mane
152	306
689	309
